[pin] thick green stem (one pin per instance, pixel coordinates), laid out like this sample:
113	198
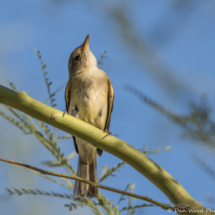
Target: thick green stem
119	148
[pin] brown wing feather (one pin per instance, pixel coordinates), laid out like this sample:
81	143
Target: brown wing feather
110	104
110	109
67	100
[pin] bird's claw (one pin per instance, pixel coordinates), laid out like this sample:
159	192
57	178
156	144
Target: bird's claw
65	112
108	133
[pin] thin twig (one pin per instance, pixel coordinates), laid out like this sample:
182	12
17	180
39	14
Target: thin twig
102	56
55	92
48	83
164	206
121	198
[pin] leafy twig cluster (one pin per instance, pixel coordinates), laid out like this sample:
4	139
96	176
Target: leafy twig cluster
48	83
49	138
102	56
197	125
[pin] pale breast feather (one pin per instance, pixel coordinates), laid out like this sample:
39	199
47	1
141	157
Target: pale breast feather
89	98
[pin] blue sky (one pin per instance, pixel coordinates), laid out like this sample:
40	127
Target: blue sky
182	39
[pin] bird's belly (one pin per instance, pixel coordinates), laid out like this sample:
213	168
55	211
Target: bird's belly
90	105
89	102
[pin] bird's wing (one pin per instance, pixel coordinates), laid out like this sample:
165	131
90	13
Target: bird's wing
110	104
109	110
67	100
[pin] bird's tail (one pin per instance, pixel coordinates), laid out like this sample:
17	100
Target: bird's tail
88	172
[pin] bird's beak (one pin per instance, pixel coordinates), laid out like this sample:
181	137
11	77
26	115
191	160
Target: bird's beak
86	43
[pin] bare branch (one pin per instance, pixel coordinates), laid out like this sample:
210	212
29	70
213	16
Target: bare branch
164	206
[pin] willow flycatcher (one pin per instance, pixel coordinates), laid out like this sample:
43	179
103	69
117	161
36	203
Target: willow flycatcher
89	96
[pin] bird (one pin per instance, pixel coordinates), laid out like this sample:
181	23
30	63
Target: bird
89	96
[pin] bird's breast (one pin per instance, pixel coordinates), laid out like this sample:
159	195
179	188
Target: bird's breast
89	97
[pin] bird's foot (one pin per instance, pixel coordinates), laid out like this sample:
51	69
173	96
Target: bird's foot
65	112
108	133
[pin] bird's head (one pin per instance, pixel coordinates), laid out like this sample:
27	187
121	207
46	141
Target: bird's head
82	58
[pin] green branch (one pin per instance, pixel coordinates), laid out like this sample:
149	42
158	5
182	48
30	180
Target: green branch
119	148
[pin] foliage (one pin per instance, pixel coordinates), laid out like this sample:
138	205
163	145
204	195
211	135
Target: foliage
108	171
49	137
48	83
102	56
149	151
197	125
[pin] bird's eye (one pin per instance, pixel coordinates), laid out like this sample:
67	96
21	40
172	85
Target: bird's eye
77	58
